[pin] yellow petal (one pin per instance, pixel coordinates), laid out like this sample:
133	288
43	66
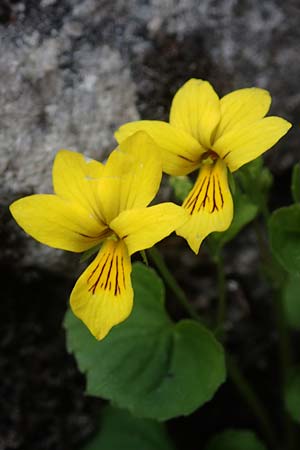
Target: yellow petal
141	179
103	295
109	186
117	164
140	185
109	189
57	223
131	176
196	110
209	205
241	145
180	152
242	107
142	228
75	179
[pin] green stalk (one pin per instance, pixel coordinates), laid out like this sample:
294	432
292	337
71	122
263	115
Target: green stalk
277	277
172	283
252	400
242	385
221	311
285	360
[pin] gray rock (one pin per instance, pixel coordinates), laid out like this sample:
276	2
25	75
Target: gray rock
72	71
48	103
45	107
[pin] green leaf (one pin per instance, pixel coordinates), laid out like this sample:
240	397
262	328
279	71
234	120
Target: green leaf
147	364
251	170
296	183
235	440
291	300
284	231
121	430
292	393
90	252
255	181
244	213
231	182
182	186
144	257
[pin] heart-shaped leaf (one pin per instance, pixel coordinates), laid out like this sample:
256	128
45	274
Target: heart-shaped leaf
148	364
255	181
235	440
291	300
295	186
120	430
244	213
284	230
292	393
182	186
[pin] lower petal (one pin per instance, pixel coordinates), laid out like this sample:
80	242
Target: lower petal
209	205
103	295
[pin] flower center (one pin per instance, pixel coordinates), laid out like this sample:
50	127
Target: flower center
209	157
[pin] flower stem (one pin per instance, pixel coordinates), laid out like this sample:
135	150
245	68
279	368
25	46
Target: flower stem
277	277
285	360
253	401
172	283
235	374
221	311
243	386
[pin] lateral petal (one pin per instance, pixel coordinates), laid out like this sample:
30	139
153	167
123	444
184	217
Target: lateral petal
209	205
70	169
241	145
242	107
142	228
57	223
75	179
103	295
180	152
196	110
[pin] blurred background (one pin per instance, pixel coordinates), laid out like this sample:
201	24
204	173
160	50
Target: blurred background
71	72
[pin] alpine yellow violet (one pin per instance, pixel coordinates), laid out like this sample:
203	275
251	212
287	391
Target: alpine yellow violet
102	203
213	135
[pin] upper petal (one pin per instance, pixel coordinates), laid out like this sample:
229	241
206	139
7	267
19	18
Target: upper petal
131	176
103	295
241	145
75	179
179	151
142	180
142	228
242	107
209	205
57	223
196	110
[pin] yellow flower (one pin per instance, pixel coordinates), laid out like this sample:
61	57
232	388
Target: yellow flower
212	135
96	203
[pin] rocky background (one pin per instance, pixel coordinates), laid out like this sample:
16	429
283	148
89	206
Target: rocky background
71	72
